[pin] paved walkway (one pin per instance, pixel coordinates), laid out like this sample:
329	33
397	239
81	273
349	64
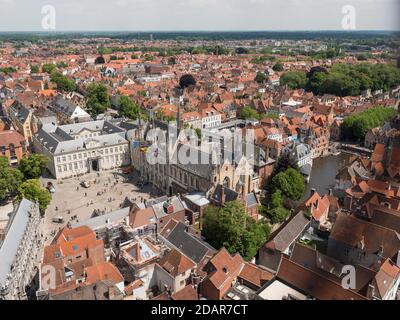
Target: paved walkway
73	202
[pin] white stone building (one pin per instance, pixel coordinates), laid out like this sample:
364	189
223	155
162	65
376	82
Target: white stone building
19	251
81	148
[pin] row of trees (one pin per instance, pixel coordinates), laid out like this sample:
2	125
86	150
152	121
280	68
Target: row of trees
22	182
7	70
344	79
231	227
357	125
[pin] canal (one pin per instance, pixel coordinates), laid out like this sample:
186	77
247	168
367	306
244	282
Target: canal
323	173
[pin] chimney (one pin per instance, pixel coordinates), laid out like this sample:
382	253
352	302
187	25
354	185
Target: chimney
222	195
312	191
371	291
330	192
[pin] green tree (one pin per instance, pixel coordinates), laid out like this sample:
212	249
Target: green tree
62	64
34	68
102	50
97	98
275	211
249	113
33	165
350	80
260	77
63	83
241	50
171	61
294	79
278	67
291	183
48	67
10	178
7	70
285	162
231	227
277	199
128	108
32	190
278	214
356	126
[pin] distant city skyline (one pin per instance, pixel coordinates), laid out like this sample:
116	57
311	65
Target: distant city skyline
199	15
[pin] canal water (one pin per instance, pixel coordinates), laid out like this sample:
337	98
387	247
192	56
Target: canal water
323	174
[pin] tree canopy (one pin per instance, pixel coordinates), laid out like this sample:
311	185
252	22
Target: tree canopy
294	79
10	178
97	98
261	77
290	183
34	68
7	70
48	67
128	108
357	125
32	190
278	67
186	80
231	227
63	83
249	113
351	80
285	161
344	79
241	50
32	166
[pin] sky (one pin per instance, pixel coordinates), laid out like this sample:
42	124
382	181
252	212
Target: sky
195	15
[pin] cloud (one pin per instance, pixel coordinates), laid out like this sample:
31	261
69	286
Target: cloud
199	14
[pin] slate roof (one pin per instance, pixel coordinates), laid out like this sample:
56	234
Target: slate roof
59	139
14	234
230	195
192	247
288	232
20	111
68	107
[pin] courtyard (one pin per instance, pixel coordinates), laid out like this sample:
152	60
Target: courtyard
106	192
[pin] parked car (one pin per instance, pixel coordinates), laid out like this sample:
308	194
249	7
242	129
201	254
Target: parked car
50	187
58	220
85	184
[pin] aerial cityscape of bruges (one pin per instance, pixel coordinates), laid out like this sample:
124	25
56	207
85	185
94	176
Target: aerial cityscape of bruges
200	150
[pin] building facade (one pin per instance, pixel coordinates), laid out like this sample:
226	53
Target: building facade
81	148
19	251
